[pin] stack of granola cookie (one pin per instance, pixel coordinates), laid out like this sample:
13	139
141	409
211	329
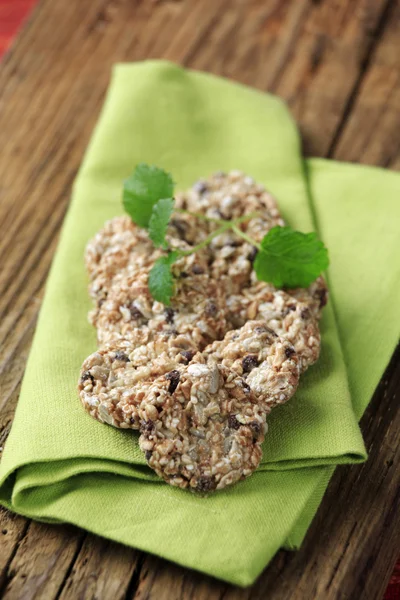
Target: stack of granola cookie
197	378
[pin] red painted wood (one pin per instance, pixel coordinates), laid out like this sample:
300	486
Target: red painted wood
12	14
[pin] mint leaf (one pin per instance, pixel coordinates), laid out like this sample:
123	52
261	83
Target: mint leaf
159	220
161	280
143	189
289	258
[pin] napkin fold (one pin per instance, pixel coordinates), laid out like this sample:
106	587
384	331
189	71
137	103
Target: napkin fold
59	465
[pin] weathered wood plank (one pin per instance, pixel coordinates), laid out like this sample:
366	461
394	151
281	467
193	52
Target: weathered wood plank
41	562
371	134
102	569
51	88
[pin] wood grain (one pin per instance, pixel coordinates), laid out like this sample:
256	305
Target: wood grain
337	65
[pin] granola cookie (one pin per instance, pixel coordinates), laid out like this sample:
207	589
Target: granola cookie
229	196
283	313
207	431
267	363
197	309
114	379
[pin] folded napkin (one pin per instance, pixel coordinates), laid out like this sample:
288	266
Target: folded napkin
60	465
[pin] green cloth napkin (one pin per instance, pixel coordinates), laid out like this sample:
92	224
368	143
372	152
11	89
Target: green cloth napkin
59	465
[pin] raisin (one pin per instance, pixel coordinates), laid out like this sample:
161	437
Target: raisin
256	429
211	309
147	427
249	363
135	312
148	454
169	314
180	227
173	377
121	356
197	270
233	422
289	352
245	386
252	254
206	484
288	309
260	330
87	375
184	275
322	295
305	313
188	355
200	187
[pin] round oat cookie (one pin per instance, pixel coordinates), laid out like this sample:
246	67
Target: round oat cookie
112	249
114	379
267	363
229	196
283	313
197	309
201	427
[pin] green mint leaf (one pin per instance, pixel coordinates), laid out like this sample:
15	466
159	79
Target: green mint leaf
143	189
159	220
161	280
289	258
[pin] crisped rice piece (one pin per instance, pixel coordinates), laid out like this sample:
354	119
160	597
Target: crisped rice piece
207	430
114	379
267	363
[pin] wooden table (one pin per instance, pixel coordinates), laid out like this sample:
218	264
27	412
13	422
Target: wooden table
337	64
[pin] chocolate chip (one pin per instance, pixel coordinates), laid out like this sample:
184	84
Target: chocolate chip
184	275
169	314
289	352
255	428
200	187
206	484
135	312
211	309
86	375
121	356
233	422
252	254
197	270
187	355
305	313
148	454
234	244
173	377
249	363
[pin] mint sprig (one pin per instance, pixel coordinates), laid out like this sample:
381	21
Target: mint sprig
289	258
146	186
161	280
285	258
159	221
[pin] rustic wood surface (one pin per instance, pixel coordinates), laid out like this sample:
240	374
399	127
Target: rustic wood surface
337	63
